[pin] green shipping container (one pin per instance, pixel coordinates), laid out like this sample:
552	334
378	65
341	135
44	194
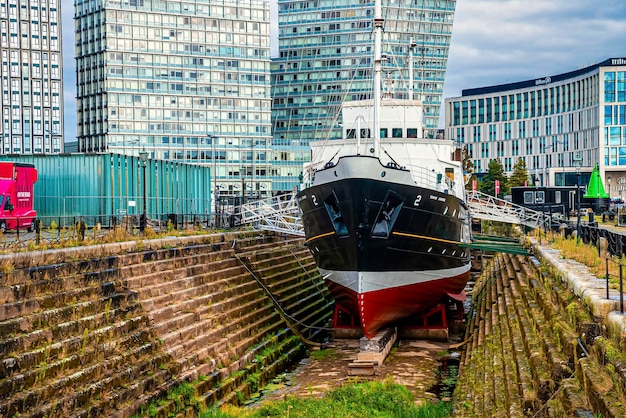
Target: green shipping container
96	187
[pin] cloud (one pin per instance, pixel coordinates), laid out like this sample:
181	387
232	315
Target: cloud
493	42
497	42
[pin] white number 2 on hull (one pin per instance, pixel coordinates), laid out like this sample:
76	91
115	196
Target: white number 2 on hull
418	199
314	199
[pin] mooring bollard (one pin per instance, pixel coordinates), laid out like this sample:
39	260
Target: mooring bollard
621	289
607	274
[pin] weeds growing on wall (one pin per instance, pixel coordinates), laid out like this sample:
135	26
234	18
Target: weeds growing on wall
588	255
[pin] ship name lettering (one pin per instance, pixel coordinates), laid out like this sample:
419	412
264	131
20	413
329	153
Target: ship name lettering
433	197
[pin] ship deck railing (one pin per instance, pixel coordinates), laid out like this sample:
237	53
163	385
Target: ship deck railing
424	177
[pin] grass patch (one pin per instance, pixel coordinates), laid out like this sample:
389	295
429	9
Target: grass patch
323	354
385	399
588	255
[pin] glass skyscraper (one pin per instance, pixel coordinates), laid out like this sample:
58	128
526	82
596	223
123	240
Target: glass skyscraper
325	58
32	86
185	81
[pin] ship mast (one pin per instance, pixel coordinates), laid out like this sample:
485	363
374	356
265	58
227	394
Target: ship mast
378	31
412	46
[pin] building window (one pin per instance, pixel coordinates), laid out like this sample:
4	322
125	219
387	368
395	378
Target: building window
609	86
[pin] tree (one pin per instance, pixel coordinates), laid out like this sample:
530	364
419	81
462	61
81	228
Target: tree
468	168
520	174
495	171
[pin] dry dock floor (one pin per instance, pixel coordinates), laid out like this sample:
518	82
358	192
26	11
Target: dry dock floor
414	364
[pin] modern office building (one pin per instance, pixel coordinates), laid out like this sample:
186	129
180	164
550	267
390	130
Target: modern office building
32	77
561	125
184	81
326	58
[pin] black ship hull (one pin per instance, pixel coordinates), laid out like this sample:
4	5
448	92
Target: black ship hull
387	249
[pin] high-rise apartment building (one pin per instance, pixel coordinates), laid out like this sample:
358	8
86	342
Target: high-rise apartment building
183	80
325	58
32	74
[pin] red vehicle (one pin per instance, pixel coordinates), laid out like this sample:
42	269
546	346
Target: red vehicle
17	182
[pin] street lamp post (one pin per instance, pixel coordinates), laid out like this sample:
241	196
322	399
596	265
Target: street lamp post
213	139
143	157
252	166
243	184
578	159
555	147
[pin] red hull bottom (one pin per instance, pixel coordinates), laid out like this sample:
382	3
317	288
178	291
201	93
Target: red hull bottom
380	308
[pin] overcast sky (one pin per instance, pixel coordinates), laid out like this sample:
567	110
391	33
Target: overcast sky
493	42
505	41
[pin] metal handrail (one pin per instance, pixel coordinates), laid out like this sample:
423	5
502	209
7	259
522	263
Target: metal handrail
485	206
278	214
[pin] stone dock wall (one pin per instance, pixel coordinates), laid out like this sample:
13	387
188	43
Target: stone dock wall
169	326
540	343
155	327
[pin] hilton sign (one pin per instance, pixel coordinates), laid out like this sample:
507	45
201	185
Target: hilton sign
541	81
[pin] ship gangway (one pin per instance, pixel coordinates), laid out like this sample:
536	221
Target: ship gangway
281	213
486	207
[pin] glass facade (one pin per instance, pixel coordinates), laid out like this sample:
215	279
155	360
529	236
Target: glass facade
186	81
325	59
31	73
548	122
615	118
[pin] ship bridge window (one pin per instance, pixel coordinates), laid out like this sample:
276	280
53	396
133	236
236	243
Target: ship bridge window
411	133
351	133
387	215
384	133
396	132
334	213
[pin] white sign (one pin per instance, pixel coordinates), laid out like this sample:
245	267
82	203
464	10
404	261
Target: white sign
131	203
541	81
